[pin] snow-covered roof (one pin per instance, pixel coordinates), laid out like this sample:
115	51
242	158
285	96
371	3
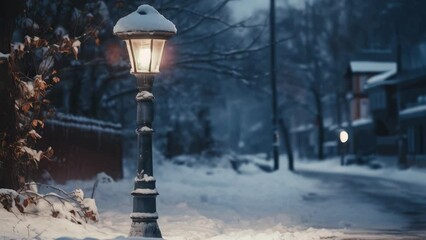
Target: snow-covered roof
80	119
302	128
413	110
83	123
361	121
330	144
145	19
81	126
371	66
380	78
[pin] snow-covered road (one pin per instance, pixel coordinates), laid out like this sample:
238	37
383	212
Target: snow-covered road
406	200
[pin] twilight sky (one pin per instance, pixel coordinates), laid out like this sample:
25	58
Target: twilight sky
246	8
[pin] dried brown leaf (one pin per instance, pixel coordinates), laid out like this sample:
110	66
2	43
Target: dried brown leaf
26	106
34	134
37	122
49	152
40	83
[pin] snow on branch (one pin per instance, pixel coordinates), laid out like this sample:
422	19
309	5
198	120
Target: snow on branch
4	57
71	206
34	154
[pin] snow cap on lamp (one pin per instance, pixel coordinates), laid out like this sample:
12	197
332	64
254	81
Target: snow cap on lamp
145	21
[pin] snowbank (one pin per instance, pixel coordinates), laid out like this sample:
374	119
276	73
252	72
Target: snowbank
411	175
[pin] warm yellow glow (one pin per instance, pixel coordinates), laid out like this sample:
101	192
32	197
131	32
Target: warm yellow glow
144	59
142	54
145	54
344	136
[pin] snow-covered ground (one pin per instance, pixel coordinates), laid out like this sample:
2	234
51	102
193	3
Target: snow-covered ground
203	203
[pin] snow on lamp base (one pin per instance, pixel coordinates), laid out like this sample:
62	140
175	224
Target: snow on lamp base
146	229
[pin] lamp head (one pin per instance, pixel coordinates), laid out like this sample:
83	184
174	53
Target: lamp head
145	32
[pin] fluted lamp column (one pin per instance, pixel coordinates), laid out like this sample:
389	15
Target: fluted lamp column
145	32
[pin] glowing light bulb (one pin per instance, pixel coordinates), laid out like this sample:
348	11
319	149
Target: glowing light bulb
144	59
344	136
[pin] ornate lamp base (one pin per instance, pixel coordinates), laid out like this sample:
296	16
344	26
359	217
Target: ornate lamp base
145	229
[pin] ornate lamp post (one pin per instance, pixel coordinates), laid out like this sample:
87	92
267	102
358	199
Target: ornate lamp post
145	32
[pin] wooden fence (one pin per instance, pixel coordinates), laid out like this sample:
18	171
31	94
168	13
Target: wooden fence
83	148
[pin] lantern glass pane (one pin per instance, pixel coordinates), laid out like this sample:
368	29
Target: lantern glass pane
129	50
157	53
142	54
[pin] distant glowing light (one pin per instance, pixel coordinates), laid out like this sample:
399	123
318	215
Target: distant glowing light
344	136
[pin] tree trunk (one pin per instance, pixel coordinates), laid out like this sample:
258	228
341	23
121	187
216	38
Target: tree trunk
287	142
339	108
8	131
347	103
320	124
273	75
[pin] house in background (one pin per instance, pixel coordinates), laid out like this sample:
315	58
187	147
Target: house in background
411	89
398	106
364	67
352	114
384	112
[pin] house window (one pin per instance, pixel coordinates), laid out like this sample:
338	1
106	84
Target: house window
365	111
378	100
354	112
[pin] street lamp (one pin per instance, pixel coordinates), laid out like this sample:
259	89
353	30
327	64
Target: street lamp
145	32
343	137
